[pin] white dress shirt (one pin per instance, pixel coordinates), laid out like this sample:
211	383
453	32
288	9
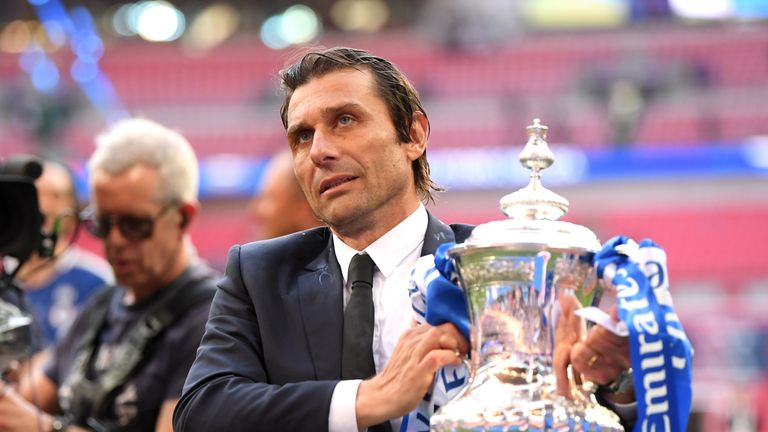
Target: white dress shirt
394	254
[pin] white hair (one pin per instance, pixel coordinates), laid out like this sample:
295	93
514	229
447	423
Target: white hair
140	141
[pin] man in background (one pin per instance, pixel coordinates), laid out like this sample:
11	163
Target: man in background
123	363
280	207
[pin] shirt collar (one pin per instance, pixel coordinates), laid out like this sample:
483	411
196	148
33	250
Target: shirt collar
390	249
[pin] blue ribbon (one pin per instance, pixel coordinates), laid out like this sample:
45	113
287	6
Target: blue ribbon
446	302
660	352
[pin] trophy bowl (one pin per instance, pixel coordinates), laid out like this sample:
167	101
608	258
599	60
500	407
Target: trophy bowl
524	278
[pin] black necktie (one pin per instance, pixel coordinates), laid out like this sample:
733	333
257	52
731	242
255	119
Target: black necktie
357	351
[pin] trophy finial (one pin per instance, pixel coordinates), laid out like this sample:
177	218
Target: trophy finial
536	155
535	201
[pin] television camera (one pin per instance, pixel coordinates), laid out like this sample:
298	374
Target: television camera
20	235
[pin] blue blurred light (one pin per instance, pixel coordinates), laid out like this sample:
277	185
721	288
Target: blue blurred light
272	33
54	11
751	9
230	175
756	152
88	48
82	20
299	24
499	168
83	71
55	31
28	58
120	20
103	96
45	75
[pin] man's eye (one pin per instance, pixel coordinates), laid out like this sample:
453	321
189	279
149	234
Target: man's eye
304	136
345	120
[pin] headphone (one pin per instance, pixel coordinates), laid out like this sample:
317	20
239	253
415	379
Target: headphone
48	239
184	219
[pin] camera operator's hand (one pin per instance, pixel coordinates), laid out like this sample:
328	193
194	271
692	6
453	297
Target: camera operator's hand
16	414
11	374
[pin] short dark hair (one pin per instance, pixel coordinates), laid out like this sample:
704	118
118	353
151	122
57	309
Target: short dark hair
398	94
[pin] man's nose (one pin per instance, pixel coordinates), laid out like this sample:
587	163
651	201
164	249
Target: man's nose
114	235
324	147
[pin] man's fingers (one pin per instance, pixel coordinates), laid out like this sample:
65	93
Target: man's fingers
448	341
605	340
424	339
560	369
422	351
452	338
437	359
597	366
614	349
581	355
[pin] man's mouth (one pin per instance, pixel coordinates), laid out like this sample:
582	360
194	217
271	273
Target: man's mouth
333	182
122	265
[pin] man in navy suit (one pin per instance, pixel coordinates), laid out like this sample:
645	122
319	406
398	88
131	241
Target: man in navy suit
271	356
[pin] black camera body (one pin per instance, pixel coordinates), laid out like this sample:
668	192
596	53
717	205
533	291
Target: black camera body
20	218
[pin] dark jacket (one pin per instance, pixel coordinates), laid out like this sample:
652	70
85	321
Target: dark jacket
271	354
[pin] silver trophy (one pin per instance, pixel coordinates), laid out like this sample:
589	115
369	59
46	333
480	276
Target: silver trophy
524	279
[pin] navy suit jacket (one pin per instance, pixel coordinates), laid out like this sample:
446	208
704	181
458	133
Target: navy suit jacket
271	354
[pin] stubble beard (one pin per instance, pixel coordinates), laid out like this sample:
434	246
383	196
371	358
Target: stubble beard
363	213
357	217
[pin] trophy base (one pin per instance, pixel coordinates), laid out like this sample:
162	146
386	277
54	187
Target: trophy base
492	405
536	417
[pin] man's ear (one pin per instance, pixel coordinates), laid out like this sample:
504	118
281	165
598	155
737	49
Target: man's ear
418	134
187	212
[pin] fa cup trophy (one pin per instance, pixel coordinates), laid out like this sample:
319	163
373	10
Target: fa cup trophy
524	279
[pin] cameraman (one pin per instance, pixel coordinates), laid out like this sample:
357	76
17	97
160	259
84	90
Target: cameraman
57	286
123	363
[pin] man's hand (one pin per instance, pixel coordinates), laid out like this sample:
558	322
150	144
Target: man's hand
406	378
18	415
602	357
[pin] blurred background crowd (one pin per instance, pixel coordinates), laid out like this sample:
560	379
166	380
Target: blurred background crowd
657	113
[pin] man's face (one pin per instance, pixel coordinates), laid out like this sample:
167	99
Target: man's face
274	209
143	264
54	193
354	172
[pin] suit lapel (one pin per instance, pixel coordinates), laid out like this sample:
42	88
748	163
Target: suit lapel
321	304
437	234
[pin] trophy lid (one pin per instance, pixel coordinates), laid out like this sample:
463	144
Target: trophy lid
532	211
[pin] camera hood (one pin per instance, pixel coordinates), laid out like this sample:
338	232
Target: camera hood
20	218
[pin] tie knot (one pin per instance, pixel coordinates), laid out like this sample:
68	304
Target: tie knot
361	270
